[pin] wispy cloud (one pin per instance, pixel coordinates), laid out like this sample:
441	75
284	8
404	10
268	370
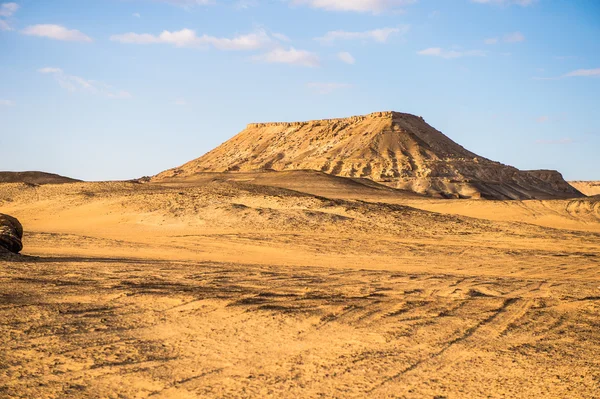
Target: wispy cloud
56	32
327	88
6	103
451	54
564	140
189	38
6	12
180	101
346	57
281	37
372	6
8	9
514	37
188	3
542	119
74	83
377	35
136	14
584	73
245	4
291	56
522	3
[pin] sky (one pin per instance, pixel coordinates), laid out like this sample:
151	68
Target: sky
119	89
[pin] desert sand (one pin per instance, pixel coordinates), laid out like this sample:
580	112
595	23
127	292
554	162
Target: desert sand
231	285
589	188
213	281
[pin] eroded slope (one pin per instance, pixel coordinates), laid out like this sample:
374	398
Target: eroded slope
395	149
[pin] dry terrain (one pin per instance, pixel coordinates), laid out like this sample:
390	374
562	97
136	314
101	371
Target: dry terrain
296	284
590	188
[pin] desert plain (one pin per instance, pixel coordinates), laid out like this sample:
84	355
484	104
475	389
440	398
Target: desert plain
236	286
278	283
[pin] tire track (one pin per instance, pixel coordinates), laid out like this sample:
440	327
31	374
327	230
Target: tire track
482	332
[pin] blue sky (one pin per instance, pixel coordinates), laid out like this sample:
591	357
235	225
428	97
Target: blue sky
117	89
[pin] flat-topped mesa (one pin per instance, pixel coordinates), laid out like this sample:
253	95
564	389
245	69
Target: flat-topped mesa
393	148
351	119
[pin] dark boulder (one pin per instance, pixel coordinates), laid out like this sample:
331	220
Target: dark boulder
11	233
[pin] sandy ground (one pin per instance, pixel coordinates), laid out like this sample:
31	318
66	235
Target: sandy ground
221	288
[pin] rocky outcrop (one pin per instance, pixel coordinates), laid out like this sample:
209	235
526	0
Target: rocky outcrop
396	149
11	234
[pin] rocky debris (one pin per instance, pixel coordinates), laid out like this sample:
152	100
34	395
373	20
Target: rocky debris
395	149
11	234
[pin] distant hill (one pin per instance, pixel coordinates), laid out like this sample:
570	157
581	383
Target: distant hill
34	177
590	188
395	149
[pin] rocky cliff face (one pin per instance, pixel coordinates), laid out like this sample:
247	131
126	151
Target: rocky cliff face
396	149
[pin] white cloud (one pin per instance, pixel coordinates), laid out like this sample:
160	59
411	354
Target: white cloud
180	101
584	72
522	3
327	88
373	6
291	56
450	54
8	9
136	14
188	38
56	32
492	40
50	70
378	35
74	83
6	103
346	57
